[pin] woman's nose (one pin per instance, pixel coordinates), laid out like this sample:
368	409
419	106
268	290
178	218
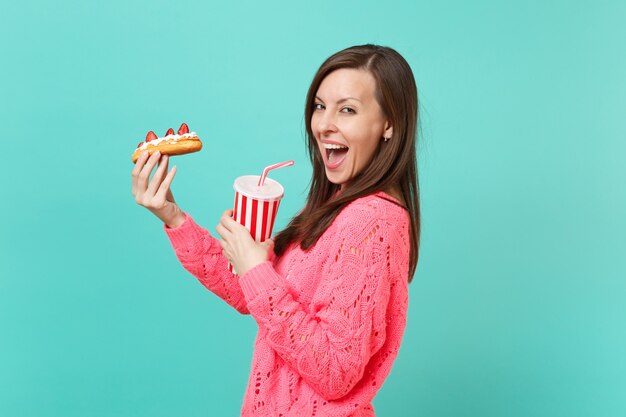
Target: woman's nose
326	122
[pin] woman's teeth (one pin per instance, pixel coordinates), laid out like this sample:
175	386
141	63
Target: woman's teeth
333	146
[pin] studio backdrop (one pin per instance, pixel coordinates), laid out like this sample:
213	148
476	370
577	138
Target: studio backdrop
517	306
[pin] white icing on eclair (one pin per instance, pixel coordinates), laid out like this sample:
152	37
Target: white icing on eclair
168	139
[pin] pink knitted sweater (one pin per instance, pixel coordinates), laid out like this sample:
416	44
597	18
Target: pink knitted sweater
330	319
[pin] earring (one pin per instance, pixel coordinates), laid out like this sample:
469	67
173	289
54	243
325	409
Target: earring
386	138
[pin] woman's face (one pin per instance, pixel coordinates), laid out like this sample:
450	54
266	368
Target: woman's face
348	123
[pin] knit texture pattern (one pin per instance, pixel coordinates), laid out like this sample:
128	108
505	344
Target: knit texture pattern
330	319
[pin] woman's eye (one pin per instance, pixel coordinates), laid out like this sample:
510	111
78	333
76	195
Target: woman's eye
318	106
348	110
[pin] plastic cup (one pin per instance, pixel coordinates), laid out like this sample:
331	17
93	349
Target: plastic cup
256	206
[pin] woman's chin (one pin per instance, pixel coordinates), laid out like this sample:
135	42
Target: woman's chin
335	179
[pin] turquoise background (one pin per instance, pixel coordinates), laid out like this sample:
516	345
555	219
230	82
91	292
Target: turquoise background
518	304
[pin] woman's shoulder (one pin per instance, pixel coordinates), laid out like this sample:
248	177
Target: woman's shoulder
376	207
376	221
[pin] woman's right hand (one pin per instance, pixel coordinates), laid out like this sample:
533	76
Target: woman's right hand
155	194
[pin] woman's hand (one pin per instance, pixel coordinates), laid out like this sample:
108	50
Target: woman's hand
239	247
155	194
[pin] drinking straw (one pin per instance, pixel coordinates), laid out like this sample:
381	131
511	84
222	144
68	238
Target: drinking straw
271	167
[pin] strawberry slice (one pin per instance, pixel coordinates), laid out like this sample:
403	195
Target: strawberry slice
170	131
151	136
140	143
183	129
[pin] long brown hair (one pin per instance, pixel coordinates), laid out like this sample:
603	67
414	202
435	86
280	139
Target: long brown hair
394	165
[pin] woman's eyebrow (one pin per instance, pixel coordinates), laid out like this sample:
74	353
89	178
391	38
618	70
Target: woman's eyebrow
340	100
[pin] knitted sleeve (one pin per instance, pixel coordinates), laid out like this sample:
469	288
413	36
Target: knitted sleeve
330	344
201	255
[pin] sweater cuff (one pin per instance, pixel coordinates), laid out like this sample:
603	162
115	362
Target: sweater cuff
259	279
180	235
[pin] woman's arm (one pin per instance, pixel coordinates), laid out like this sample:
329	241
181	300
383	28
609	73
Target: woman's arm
201	255
197	250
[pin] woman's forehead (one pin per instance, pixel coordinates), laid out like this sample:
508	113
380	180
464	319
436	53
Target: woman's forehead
347	83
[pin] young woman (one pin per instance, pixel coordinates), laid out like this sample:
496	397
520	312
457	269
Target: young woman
329	294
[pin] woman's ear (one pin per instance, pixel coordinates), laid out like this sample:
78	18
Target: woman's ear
388	132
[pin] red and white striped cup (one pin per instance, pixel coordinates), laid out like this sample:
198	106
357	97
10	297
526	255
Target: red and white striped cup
256	206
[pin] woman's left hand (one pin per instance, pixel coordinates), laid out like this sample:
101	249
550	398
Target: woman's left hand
239	247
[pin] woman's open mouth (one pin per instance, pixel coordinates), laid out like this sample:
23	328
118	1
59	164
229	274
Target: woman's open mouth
335	154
